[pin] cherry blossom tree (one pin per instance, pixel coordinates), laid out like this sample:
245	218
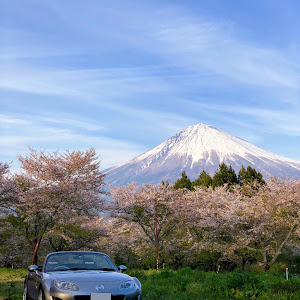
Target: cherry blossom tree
8	193
55	189
263	222
271	219
206	214
82	233
126	242
148	208
9	240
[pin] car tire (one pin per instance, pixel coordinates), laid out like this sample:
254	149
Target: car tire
25	293
41	295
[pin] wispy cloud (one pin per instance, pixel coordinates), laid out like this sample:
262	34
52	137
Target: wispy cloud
281	121
214	46
40	135
180	40
64	119
85	84
131	75
6	120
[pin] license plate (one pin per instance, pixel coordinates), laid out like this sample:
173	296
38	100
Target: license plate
101	296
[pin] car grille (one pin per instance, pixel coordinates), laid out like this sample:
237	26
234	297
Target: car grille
113	297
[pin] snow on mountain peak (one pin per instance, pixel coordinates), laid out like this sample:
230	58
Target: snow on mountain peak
196	141
201	147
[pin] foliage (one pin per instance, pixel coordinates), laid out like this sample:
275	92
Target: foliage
54	205
80	234
213	225
183	183
203	180
224	175
8	190
230	222
138	211
52	190
250	176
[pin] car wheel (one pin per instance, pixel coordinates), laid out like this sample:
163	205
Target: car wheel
25	293
41	295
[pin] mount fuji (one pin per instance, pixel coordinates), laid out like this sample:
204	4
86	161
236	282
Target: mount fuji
197	148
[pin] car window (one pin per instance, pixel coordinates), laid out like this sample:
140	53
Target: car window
69	261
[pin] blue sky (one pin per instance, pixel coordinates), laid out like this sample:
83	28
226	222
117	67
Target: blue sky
123	76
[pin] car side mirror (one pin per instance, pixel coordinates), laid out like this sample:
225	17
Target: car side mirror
122	268
32	268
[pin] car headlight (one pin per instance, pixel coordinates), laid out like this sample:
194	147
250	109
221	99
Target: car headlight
66	285
127	285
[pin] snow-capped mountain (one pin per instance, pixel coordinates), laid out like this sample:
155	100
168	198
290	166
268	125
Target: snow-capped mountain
197	148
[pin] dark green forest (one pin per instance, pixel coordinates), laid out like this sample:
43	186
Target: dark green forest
224	175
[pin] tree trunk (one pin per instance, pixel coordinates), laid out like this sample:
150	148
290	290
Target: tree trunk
35	248
244	261
266	267
291	231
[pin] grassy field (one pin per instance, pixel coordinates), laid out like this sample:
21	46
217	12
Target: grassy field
187	284
11	283
193	284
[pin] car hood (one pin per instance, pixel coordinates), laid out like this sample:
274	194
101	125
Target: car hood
89	276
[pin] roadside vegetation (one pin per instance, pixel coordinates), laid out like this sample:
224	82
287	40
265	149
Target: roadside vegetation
187	284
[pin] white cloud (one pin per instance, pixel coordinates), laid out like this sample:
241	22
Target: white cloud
97	84
285	121
199	45
63	119
4	119
40	135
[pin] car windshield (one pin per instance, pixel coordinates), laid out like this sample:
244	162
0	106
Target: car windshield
78	261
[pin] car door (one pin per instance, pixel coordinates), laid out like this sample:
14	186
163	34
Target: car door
33	282
30	285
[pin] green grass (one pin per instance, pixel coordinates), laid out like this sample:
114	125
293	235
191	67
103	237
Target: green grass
187	284
11	283
192	284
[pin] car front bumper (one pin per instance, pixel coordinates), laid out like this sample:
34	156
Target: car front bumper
71	296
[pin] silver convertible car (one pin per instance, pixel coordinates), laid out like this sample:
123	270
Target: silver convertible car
80	275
